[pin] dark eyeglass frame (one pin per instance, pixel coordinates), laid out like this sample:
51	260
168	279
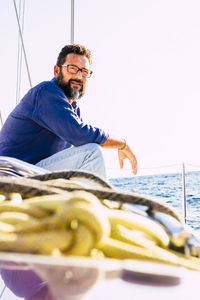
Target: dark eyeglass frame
78	69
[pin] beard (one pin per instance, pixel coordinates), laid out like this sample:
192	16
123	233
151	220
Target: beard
72	94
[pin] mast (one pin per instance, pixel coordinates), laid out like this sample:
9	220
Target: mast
72	21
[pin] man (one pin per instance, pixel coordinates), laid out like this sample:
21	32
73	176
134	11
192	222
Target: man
46	128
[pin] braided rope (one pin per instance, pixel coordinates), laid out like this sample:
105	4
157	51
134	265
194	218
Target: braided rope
31	187
73	174
26	187
152	204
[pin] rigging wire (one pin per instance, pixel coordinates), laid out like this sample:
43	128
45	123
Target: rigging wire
2	292
22	42
1	120
19	73
19	58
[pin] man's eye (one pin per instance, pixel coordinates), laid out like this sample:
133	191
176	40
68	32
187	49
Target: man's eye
85	71
73	69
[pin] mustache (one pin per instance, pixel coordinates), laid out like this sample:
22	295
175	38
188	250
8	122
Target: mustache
76	80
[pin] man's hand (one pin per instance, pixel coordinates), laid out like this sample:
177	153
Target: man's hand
127	153
116	143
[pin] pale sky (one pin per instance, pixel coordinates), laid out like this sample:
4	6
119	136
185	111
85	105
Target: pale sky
146	82
146	62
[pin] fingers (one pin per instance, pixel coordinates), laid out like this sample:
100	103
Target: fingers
127	153
134	169
134	165
121	163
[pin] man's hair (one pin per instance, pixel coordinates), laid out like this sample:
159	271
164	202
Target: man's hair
76	49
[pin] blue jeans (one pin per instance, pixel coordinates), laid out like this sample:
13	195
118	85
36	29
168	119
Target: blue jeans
86	158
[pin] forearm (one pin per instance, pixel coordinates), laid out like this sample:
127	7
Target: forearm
114	143
124	151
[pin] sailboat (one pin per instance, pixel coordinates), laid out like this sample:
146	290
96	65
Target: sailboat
73	278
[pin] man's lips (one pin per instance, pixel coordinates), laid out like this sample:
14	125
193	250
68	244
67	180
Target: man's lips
75	83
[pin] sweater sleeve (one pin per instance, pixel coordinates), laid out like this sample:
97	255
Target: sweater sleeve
53	112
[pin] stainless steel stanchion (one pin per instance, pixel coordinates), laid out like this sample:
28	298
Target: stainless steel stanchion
184	208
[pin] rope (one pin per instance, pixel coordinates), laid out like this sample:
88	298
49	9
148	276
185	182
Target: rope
26	187
73	174
31	187
22	41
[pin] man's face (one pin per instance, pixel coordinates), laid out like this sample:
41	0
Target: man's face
73	85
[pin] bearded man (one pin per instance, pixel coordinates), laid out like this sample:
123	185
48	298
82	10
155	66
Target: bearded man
46	129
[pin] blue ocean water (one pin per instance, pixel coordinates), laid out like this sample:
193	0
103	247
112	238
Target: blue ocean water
168	188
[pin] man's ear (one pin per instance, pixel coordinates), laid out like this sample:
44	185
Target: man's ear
56	71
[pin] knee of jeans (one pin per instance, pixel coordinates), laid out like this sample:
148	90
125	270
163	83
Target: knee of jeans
96	148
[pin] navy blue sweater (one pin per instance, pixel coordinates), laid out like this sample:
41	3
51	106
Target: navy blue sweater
44	123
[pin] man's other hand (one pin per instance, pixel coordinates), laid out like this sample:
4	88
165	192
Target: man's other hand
127	153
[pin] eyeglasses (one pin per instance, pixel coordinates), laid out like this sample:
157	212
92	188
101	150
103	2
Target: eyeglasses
72	69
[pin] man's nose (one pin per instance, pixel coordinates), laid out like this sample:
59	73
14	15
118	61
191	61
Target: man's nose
79	74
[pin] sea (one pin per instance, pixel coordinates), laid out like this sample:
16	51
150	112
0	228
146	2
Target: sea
165	187
169	188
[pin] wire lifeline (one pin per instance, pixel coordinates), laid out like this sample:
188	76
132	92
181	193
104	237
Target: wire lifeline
160	167
192	165
20	32
151	168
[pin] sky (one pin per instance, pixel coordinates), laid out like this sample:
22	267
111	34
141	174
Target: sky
146	81
146	63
